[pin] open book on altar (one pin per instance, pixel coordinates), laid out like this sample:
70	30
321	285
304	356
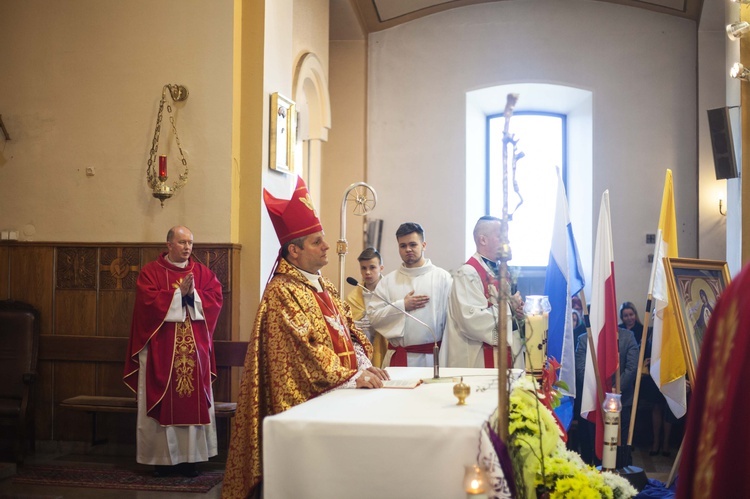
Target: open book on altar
402	383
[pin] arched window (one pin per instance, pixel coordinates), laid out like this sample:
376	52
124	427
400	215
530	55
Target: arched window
553	124
541	140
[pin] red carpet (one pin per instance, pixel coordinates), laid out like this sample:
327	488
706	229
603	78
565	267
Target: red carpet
101	478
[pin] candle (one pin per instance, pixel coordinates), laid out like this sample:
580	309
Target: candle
163	167
536	339
475	482
611	407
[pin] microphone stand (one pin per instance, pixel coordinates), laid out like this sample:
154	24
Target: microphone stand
435	348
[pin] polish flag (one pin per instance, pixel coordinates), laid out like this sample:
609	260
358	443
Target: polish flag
603	319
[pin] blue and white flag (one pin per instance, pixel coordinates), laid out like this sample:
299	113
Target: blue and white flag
564	280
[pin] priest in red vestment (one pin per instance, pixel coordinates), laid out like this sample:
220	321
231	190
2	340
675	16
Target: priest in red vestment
171	364
304	342
714	455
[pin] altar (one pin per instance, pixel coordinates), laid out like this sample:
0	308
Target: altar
386	443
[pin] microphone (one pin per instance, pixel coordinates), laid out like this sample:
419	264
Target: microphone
435	349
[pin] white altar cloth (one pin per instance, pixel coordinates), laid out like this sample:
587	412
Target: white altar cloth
386	443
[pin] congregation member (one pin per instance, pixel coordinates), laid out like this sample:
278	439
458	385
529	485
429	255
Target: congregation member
628	350
171	364
419	288
649	394
471	331
304	342
371	270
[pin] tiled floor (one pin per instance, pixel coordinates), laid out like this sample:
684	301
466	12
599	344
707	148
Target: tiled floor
657	467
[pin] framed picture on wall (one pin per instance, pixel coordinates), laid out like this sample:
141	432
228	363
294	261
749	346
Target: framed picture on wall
282	133
694	286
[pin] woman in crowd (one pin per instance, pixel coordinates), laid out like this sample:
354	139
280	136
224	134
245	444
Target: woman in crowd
661	416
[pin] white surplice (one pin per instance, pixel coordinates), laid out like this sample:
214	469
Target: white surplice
471	322
401	330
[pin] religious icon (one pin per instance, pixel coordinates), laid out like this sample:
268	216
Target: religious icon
695	286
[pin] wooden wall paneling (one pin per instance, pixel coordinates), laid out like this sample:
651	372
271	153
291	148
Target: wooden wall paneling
235	295
71	379
118	428
44	391
109	379
75	312
223	329
115	313
31	279
149	254
4	271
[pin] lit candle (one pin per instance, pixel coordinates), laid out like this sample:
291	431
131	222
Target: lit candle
162	167
475	482
611	407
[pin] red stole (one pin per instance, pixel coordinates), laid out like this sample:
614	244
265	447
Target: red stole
487	280
340	336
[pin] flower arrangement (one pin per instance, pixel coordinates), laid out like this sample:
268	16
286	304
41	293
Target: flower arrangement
542	466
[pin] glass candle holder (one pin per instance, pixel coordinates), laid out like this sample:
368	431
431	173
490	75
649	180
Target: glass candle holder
611	407
476	484
536	309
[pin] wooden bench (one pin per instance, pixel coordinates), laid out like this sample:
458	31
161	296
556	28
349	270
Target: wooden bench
108	349
94	404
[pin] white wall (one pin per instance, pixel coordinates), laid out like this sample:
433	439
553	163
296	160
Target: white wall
80	87
640	67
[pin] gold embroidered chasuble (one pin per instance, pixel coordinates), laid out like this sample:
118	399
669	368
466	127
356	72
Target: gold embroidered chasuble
290	359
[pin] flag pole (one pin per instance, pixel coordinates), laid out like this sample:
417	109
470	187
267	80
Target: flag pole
639	374
592	350
505	255
644	338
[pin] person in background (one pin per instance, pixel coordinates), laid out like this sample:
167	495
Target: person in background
371	269
304	342
170	364
471	332
579	324
649	394
417	287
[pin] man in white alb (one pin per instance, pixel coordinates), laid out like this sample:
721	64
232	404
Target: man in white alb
471	331
417	287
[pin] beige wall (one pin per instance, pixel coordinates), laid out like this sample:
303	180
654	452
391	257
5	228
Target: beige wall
80	88
640	67
344	161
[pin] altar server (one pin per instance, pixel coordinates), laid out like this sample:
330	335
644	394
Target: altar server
419	288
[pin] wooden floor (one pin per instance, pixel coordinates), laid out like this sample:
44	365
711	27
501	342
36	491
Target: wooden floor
656	467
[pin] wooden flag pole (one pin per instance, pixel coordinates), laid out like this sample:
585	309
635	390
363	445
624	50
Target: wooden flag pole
639	374
644	337
592	350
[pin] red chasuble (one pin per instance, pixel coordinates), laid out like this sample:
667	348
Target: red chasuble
181	363
714	453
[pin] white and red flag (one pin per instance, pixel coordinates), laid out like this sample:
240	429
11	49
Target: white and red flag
603	317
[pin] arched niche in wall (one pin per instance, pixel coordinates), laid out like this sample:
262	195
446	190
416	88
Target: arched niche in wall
314	117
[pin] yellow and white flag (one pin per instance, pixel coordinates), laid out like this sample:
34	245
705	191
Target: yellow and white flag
667	360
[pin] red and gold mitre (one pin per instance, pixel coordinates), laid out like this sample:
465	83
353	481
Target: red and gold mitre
295	217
